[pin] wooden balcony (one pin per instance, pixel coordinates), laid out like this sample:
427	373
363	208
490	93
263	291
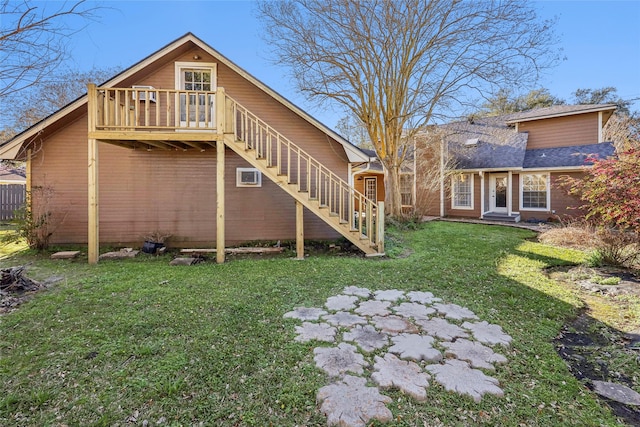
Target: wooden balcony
161	118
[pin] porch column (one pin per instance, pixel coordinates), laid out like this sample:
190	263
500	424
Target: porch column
380	228
299	230
509	192
220	242
481	194
220	170
93	232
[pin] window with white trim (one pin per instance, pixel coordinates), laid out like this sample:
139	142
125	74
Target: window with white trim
462	191
371	189
534	191
197	106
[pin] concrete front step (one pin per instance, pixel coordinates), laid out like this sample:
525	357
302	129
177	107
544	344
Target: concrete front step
501	217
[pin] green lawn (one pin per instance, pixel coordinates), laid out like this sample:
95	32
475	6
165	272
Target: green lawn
127	341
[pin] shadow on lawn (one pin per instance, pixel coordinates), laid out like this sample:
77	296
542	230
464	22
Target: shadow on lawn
590	347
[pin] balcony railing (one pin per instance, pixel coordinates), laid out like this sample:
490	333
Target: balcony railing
143	109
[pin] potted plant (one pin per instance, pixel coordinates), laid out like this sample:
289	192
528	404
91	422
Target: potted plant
154	241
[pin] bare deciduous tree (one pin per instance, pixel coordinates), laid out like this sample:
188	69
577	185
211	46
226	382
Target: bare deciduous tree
399	65
354	130
33	39
46	97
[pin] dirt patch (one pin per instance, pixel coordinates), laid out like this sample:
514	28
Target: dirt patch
593	352
603	343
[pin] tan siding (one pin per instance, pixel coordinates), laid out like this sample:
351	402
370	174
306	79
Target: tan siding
561	131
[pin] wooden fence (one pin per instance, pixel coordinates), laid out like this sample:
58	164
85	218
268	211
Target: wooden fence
12	198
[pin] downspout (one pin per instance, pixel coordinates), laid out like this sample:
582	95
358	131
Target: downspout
352	175
600	136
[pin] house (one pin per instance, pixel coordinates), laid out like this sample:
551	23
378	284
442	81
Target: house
188	143
368	179
12	190
507	168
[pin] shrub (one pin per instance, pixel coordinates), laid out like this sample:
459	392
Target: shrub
35	222
617	247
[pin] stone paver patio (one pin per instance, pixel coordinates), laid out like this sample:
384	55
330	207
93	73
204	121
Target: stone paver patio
396	340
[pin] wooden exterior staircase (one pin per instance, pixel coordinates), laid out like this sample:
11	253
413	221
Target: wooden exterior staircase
349	212
170	119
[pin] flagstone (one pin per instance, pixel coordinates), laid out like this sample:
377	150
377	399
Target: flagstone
389	295
393	324
415	347
315	331
454	311
367	337
374	308
343	318
413	309
422	297
442	329
350	403
359	292
341	302
408	377
457	376
487	333
478	355
336	361
305	313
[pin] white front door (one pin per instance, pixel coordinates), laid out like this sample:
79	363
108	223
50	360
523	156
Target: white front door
498	192
197	102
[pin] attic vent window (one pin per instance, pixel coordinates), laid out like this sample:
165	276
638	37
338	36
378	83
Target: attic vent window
471	142
140	93
248	177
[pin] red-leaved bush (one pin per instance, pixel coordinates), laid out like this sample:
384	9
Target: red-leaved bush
610	190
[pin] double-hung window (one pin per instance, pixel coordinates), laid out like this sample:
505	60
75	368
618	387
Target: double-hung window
462	191
534	191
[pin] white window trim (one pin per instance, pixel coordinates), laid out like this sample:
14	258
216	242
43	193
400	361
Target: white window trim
453	198
239	182
375	179
211	66
548	179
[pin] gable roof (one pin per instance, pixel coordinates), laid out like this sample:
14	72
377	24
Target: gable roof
11	148
560	111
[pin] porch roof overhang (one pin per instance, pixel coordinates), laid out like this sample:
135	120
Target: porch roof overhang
521	169
13	148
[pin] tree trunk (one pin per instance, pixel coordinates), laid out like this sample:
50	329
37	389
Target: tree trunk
393	199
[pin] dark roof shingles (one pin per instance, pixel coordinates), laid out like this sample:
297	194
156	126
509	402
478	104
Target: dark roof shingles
573	156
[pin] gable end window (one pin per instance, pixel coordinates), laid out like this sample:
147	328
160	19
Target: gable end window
534	193
462	191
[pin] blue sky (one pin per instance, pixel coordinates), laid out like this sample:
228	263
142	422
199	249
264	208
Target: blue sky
600	39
